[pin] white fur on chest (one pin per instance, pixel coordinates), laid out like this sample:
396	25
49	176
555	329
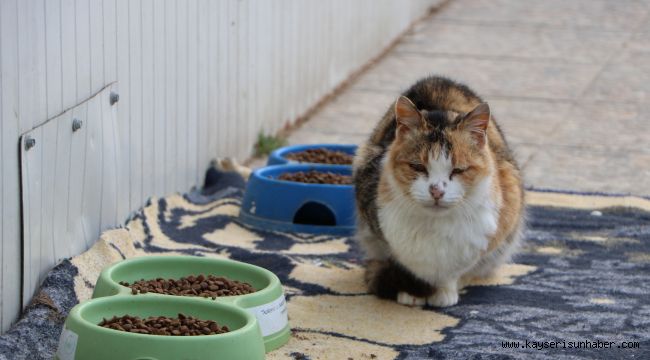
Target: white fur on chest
438	247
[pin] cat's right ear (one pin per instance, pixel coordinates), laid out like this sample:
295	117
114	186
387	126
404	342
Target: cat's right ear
407	115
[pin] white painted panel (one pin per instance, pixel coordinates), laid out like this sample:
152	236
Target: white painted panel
31	67
77	167
10	256
68	55
171	94
123	73
230	94
192	120
203	151
61	179
148	137
197	79
135	119
32	224
82	56
65	178
159	91
2	243
53	54
212	63
242	127
182	98
113	195
109	15
96	42
47	247
93	175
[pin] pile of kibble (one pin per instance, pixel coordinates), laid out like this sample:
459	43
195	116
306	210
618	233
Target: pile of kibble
161	325
317	177
209	286
321	156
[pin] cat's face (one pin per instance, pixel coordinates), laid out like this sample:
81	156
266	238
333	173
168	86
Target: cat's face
439	158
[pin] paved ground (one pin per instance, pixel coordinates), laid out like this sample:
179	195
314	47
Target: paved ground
569	81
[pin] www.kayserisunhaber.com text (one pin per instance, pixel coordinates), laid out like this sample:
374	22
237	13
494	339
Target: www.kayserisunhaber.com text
585	344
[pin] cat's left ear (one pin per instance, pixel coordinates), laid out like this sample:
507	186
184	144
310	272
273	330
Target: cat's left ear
407	115
476	122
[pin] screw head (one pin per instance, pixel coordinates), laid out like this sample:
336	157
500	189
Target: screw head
115	97
76	124
30	142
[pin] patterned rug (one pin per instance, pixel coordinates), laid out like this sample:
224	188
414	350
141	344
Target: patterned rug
578	290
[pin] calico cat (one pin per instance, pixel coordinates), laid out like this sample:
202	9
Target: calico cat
439	195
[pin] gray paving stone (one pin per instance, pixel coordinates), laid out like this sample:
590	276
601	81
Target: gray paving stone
645	27
489	77
360	103
605	126
527	121
625	78
352	112
639	43
345	124
306	135
531	43
588	170
610	15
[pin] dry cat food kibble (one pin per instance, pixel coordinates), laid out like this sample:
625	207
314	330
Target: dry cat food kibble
204	286
317	177
321	156
161	325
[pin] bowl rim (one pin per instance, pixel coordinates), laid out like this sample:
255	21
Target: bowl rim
277	156
87	325
301	147
262	175
273	280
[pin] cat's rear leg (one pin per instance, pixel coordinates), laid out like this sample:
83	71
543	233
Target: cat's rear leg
373	247
384	277
489	264
389	280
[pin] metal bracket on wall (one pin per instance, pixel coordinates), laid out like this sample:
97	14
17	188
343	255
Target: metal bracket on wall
76	124
115	97
30	142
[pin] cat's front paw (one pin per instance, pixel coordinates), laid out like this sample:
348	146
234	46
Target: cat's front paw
405	298
443	297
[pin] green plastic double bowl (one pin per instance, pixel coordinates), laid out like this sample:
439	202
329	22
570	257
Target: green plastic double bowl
258	322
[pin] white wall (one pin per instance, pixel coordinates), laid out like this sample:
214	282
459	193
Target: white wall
197	79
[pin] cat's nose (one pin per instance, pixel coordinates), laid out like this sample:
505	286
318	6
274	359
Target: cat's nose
436	192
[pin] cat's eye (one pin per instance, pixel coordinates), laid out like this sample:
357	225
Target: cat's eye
419	168
457	171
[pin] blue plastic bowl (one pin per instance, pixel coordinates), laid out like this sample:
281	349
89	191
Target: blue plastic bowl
277	157
278	205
